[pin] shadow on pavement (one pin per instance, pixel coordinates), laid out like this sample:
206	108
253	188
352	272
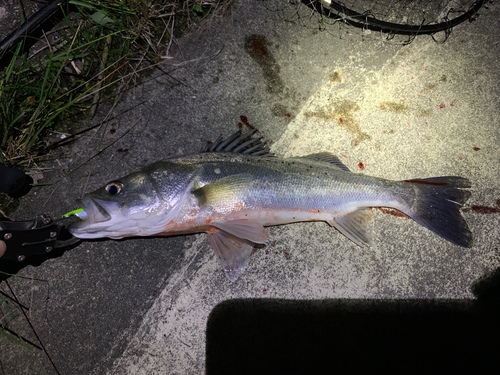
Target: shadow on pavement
262	336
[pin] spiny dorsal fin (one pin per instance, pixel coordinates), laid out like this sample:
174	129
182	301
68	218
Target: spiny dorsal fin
240	143
326	157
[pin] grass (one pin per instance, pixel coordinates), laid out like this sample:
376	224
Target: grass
91	50
83	61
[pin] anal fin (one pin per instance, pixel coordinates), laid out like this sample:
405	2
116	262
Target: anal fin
353	226
233	252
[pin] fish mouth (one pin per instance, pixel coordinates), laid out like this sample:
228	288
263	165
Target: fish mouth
98	218
95	212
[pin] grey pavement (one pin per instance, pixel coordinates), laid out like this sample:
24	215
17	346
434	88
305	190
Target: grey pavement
140	306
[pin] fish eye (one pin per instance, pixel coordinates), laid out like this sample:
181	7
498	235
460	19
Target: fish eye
114	187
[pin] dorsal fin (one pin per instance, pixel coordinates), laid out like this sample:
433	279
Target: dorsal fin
326	157
240	143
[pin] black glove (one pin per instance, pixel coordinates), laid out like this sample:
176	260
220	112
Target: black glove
14	182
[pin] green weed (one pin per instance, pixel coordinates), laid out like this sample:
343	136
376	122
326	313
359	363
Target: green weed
41	91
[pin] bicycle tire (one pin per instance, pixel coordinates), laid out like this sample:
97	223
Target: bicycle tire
339	11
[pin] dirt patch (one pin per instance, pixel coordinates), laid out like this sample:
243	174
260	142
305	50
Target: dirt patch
342	113
392	106
256	47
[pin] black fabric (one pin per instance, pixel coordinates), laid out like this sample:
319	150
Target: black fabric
14	182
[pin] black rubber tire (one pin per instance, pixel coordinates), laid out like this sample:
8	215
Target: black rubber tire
356	19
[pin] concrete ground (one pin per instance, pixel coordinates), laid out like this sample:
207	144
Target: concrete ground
426	109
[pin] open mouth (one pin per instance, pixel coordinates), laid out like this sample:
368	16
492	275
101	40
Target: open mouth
92	211
78	213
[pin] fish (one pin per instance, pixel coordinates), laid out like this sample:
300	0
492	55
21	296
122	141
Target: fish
235	187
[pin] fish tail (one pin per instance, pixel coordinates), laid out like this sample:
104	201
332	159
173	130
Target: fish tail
437	207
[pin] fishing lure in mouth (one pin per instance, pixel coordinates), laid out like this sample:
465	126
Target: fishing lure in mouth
79	213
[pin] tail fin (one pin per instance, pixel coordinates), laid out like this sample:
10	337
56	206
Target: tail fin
437	207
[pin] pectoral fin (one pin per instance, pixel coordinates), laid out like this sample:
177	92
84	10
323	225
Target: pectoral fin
225	191
233	252
353	226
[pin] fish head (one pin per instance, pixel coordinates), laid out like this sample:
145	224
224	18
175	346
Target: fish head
139	204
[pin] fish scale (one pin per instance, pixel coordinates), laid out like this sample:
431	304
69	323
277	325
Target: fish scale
303	184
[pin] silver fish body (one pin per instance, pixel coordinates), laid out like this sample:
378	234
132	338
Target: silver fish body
232	196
